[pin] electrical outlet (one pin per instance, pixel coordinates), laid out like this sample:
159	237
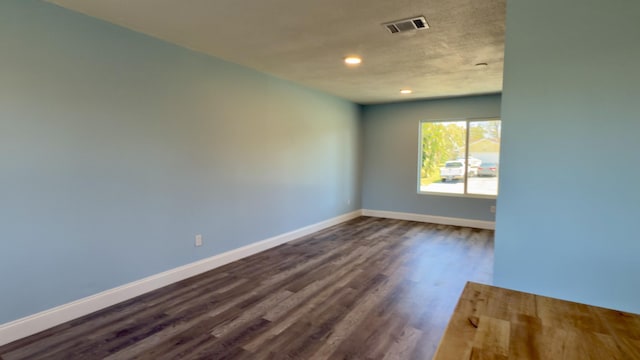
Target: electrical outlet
493	209
198	240
348	201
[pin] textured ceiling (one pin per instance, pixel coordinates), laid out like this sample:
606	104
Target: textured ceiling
305	41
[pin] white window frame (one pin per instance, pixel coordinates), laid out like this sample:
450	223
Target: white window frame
466	152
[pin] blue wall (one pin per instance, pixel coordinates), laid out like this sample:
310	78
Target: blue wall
391	142
116	149
569	200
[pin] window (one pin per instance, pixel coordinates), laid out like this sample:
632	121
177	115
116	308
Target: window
459	157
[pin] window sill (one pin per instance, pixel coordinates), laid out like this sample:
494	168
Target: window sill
471	196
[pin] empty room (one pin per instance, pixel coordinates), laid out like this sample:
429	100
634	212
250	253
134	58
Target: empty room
285	179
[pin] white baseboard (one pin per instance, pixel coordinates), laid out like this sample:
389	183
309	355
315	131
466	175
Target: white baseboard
479	224
33	324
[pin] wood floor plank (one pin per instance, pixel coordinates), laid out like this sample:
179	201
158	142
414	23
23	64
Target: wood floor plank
369	288
254	312
404	346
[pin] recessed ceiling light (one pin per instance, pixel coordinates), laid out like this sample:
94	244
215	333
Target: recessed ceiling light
406	91
352	60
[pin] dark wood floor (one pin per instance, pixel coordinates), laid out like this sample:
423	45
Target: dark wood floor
366	289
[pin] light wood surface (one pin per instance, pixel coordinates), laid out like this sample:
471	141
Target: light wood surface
366	289
496	323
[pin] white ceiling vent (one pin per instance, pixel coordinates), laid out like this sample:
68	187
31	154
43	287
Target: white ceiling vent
411	24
